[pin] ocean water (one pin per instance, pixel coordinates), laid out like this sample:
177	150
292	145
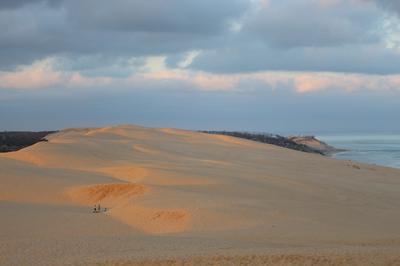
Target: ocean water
382	149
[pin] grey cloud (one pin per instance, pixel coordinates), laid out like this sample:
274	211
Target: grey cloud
112	29
288	35
306	23
305	36
258	57
177	16
11	4
393	5
16	3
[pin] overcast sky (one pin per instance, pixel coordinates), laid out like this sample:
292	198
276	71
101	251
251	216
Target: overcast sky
283	66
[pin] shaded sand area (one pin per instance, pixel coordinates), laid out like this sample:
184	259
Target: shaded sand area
175	196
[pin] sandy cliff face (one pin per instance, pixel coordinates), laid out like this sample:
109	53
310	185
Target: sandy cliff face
176	183
315	144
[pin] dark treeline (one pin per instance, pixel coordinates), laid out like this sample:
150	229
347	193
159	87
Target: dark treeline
13	141
269	139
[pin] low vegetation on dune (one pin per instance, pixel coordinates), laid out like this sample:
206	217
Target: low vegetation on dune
13	141
277	140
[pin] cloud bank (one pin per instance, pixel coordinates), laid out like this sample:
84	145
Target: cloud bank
240	51
232	36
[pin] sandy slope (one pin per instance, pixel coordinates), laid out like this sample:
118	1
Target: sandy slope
178	193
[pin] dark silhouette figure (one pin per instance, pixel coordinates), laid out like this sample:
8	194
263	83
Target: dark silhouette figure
97	209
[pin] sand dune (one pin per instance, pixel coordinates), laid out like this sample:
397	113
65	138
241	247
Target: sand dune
171	192
108	194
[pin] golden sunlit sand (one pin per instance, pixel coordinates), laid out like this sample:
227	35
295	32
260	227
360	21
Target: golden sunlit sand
176	196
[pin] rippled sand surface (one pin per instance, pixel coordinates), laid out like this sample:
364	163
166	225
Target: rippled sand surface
175	196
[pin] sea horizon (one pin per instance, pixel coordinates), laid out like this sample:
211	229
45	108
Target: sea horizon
373	148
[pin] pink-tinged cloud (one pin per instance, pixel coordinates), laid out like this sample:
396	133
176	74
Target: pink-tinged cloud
76	80
197	80
42	75
315	82
299	82
37	76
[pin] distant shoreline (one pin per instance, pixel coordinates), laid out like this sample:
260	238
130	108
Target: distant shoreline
309	144
15	140
383	150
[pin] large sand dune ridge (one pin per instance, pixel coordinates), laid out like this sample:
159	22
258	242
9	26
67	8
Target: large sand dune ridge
208	192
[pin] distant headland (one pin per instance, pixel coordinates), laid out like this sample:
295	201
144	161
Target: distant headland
16	140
